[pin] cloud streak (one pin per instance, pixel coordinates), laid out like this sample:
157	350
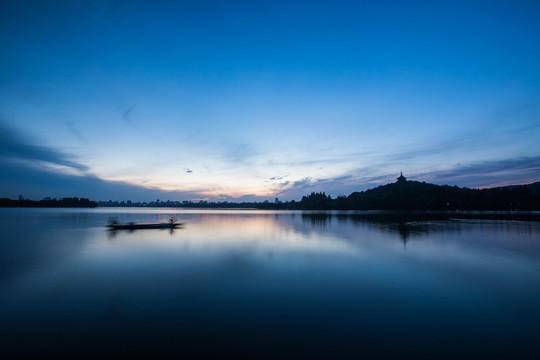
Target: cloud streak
481	174
490	173
14	147
20	175
36	183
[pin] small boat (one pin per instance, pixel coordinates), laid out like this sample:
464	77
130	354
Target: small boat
115	225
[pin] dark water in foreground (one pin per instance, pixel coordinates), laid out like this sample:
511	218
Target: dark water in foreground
263	283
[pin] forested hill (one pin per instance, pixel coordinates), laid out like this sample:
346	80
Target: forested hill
415	195
534	188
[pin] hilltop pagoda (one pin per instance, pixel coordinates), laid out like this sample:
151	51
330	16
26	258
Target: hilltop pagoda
401	178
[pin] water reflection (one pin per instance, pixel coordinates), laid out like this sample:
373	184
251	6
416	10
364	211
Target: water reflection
419	226
280	284
400	225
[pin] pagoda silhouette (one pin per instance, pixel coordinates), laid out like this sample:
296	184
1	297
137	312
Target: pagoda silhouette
401	179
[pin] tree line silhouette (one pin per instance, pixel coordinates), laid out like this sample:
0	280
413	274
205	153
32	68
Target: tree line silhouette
415	195
401	195
49	203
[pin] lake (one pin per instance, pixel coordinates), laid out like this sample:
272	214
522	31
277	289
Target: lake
276	284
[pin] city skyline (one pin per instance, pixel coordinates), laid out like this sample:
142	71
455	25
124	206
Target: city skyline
243	101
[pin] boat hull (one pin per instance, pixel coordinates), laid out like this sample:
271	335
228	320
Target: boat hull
143	226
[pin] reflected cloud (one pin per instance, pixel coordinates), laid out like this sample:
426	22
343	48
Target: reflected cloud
238	264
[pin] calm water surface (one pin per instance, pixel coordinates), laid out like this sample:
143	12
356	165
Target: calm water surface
263	283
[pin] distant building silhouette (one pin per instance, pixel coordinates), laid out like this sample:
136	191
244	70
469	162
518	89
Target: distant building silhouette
401	178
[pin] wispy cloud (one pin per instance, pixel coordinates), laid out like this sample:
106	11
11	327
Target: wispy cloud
333	186
37	171
240	154
490	173
127	116
14	146
73	130
36	183
480	174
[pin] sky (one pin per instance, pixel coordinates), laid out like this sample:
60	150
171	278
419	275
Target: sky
252	100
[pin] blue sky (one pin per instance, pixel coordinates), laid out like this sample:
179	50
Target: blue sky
251	100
